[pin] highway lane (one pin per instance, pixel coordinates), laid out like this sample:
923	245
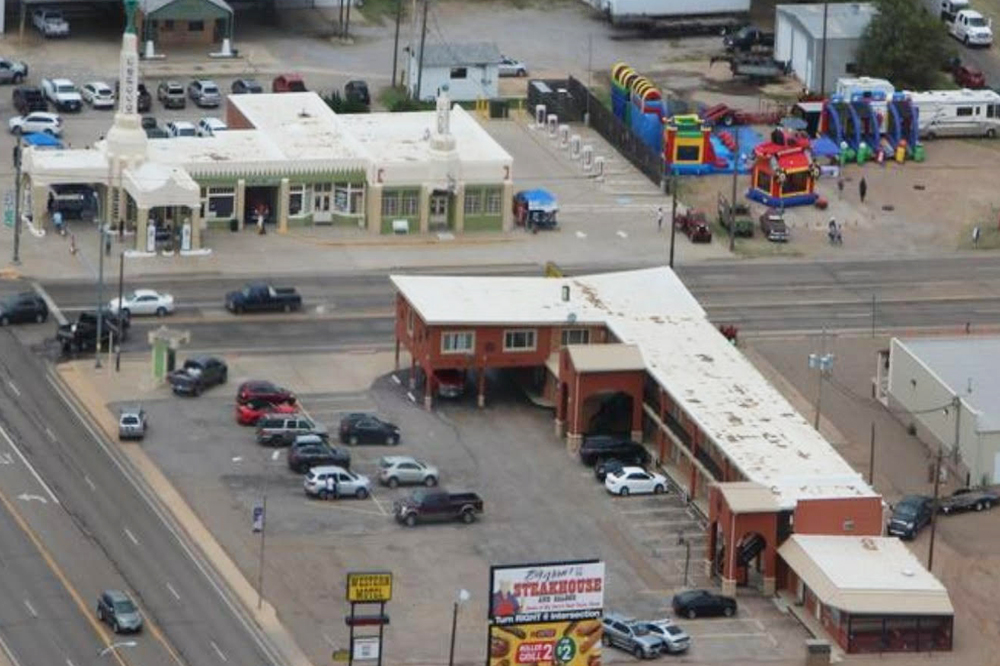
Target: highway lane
104	531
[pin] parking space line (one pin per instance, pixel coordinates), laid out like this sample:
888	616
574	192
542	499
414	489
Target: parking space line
630	512
726	635
334	506
378	504
657	523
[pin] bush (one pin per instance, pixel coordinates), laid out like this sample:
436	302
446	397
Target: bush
396	98
341	105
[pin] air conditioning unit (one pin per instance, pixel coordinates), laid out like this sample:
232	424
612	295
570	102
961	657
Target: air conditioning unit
400	227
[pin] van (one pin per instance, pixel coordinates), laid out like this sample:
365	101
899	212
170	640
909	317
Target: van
282	429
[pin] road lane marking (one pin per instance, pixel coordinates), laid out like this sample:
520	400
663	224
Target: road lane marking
90	483
173	591
51	435
409	394
218	651
7	651
31	609
14	388
395	379
26	497
28	465
131	536
69	663
53	308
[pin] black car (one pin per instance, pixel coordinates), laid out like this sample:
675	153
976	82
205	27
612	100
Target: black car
143	102
600	447
197	374
607	466
310	451
29	98
702	603
367	429
246	87
910	515
357	91
23	307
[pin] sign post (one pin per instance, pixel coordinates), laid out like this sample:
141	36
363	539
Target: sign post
367	588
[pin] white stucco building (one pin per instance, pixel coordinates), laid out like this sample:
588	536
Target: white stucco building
471	71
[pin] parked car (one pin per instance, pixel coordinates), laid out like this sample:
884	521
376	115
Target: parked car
368	429
630	635
37	121
116	609
204	92
246	87
263	297
308	451
171	95
50	22
249	413
635	481
62	94
288	83
210	127
24	307
703	603
450	383
12	71
144	100
967	76
971	28
263	391
968	499
742	221
772	225
177	128
282	429
694	225
76	201
357	91
98	94
396	470
910	515
437	505
132	423
198	374
599	447
511	67
144	302
343	483
675	639
27	99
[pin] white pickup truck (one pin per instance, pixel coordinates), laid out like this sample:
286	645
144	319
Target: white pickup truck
50	22
972	28
63	94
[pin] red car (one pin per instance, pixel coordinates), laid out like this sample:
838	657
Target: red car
251	412
695	225
288	83
968	77
257	390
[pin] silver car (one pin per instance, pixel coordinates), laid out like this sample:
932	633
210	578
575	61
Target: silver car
675	639
396	470
632	636
132	423
329	481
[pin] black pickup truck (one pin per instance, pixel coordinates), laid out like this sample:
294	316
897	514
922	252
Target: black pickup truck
437	505
82	334
749	38
261	297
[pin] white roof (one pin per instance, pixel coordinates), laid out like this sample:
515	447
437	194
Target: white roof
759	431
865	574
844	20
50	167
154	184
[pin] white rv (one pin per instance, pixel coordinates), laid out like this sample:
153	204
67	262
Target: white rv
957	113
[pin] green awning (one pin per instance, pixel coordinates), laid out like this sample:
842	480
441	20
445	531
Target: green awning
186	10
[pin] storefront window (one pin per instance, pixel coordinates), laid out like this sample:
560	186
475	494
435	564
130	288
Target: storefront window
296	199
493	202
321	197
411	199
348	198
473	202
390	204
218	202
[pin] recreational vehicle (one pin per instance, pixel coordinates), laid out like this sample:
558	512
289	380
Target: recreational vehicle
958	113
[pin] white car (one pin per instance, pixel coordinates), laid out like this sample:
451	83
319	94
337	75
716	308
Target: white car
209	126
99	95
343	483
144	302
511	67
635	481
37	121
396	470
674	638
181	128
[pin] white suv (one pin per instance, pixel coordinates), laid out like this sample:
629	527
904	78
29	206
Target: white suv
181	128
395	470
38	121
329	481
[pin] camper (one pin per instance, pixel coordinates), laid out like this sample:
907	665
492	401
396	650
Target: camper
946	9
958	113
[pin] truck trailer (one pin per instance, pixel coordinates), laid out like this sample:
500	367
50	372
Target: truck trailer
676	16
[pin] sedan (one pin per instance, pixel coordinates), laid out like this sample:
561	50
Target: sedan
246	87
511	67
635	481
675	639
394	470
251	412
367	429
210	126
332	481
181	128
39	121
144	302
264	391
116	608
306	454
702	603
98	94
23	307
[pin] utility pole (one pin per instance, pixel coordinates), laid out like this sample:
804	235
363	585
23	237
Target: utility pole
395	42
590	73
100	291
673	214
732	203
956	403
822	70
347	23
17	202
822	363
420	59
871	457
121	286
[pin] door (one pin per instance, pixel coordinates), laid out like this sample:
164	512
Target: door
322	210
639	482
409	473
439	210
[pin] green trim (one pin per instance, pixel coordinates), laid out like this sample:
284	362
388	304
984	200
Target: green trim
353	176
345	220
217	224
484	223
189	10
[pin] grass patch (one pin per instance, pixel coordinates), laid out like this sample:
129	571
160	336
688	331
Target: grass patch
989	234
380	11
396	98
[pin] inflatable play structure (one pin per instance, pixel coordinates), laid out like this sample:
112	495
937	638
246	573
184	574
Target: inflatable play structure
784	173
639	104
867	116
690	147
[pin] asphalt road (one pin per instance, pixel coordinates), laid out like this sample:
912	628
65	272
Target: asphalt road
99	530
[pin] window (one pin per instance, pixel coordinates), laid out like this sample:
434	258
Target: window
473	202
219	202
493	202
348	198
575	336
410	202
459	342
796	182
520	340
763	181
390	204
458	72
168	24
963	111
297	199
691	153
196	26
992	111
851	68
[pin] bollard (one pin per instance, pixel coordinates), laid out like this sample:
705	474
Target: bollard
540	115
552	120
563	136
599	168
588	157
574	146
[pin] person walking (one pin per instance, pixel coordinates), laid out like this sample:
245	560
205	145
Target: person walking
659	218
975	236
840	188
863	189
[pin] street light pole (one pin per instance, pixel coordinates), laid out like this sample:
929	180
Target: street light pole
822	363
121	286
673	215
100	290
263	532
395	41
956	403
732	203
463	596
822	69
17	202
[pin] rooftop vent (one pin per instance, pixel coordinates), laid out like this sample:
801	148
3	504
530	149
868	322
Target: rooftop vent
565	293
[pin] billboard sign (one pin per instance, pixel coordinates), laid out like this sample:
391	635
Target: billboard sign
561	591
369	587
570	643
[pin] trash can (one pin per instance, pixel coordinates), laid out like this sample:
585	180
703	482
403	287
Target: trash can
919	153
234	224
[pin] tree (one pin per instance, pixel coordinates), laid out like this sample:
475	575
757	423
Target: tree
905	44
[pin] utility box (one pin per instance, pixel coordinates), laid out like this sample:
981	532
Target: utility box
817	652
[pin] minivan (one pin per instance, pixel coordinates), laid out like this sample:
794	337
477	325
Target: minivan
282	429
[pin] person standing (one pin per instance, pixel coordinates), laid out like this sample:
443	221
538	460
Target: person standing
840	188
659	218
863	189
975	236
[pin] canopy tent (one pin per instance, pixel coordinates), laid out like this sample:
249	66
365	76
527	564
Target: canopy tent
539	199
41	140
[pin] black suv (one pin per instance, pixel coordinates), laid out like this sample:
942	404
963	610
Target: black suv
367	429
910	515
198	374
310	451
357	91
143	102
26	306
29	98
600	447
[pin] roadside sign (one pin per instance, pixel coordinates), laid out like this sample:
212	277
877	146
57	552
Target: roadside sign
8	209
341	655
365	647
369	587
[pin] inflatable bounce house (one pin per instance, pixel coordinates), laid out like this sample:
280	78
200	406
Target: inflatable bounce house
784	173
690	147
639	104
866	118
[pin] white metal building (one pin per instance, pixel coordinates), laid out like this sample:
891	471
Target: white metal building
471	71
798	40
929	377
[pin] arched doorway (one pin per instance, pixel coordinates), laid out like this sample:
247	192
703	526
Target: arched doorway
608	413
750	560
